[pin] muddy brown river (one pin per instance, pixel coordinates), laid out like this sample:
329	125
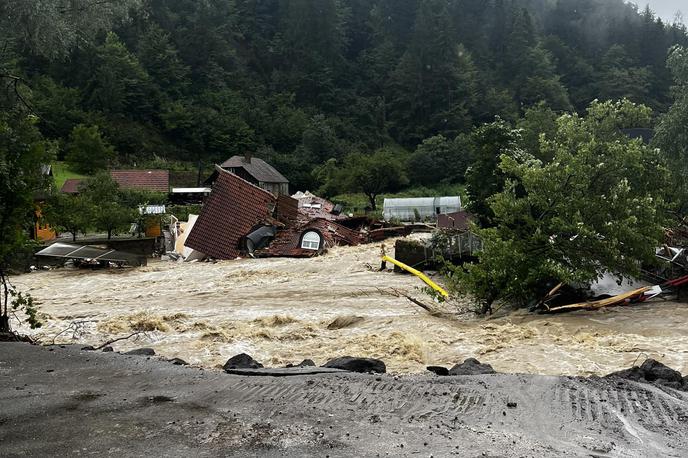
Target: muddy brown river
281	311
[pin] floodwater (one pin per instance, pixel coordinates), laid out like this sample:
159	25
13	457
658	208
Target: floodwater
281	311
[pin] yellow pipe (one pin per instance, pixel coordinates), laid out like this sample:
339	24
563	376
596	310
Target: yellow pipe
418	274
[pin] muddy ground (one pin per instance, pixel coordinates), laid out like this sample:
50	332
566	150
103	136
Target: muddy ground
66	402
281	310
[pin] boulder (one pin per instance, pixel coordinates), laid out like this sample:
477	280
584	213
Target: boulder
141	352
471	366
178	362
306	363
107	349
650	371
654	370
88	348
351	364
241	361
438	370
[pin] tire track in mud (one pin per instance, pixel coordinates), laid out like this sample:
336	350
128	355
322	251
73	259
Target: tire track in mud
407	401
589	405
623	409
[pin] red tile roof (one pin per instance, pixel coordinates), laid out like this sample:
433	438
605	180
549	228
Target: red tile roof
287	242
234	207
147	180
71	186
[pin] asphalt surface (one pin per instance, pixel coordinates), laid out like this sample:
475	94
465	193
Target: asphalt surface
66	402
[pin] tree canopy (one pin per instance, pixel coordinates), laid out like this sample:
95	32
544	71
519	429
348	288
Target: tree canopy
310	80
596	206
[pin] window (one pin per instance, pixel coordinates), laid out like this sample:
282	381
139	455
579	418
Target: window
310	241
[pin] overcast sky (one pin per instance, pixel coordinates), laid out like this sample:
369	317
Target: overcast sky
666	9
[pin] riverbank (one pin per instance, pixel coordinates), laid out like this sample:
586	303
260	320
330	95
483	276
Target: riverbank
67	402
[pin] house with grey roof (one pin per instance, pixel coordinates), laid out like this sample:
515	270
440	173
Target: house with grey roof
255	171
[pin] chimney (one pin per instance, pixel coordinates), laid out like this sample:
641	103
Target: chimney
247	158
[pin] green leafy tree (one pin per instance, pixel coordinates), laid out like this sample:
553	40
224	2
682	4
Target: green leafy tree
109	213
373	175
439	160
88	151
596	207
537	120
51	28
672	131
22	153
484	177
68	213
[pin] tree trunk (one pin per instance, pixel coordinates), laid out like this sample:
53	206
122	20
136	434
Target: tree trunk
73	236
5	324
109	234
4	304
371	199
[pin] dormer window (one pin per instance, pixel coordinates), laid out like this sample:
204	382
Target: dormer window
311	241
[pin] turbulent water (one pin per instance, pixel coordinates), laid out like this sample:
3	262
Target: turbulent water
284	310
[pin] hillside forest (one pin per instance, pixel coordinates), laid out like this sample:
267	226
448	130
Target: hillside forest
304	82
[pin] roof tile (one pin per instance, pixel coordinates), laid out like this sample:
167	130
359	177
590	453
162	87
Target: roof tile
147	180
234	207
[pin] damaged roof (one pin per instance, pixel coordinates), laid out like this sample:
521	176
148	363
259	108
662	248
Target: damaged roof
288	241
256	167
312	207
233	209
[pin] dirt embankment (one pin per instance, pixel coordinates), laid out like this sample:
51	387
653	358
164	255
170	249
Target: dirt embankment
284	310
66	402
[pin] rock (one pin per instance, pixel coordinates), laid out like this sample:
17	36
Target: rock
88	348
107	349
471	366
438	370
141	352
178	362
654	370
349	363
634	373
651	370
241	361
306	363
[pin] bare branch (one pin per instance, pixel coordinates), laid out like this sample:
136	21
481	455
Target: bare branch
133	334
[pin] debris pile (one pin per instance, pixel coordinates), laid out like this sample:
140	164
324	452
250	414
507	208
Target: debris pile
667	278
240	218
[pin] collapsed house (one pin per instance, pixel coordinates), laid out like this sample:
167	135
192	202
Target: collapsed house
240	218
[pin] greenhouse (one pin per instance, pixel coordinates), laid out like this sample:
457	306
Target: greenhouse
419	208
